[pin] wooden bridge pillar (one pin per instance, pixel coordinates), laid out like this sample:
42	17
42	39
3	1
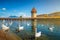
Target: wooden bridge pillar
34	25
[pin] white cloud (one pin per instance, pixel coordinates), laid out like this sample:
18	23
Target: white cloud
3	8
23	14
20	13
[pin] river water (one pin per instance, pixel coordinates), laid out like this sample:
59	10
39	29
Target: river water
41	25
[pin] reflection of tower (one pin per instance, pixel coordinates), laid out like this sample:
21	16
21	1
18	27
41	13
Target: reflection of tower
33	13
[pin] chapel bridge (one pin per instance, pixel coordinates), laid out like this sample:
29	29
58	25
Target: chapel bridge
26	18
19	18
16	18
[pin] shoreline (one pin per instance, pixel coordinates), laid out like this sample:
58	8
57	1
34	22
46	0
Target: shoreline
8	36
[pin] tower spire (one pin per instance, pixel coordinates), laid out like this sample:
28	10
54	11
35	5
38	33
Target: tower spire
33	10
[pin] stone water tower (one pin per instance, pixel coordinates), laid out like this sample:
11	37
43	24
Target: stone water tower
33	13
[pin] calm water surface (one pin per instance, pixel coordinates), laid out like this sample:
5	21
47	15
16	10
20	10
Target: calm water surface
42	25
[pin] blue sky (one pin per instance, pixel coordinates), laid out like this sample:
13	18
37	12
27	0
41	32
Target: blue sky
24	7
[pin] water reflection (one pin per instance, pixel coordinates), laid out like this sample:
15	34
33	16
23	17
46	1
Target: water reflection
50	28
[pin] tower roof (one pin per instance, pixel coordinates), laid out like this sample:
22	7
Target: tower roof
33	10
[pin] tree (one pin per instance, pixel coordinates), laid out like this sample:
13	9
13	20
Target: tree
20	16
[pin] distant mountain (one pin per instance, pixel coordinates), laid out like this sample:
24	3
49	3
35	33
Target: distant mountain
42	15
55	14
13	16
